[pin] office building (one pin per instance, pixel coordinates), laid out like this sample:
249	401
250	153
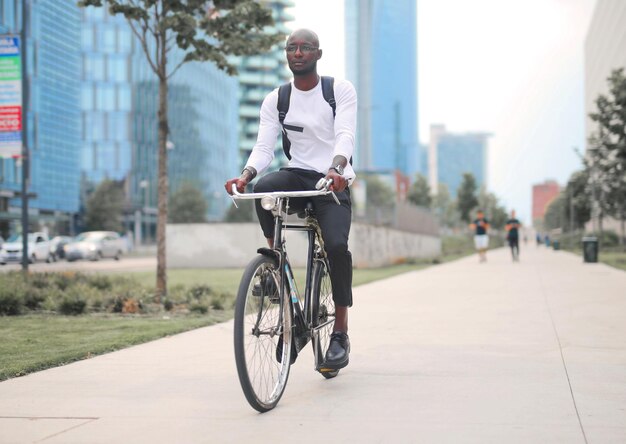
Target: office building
53	115
381	62
605	50
450	155
543	194
258	76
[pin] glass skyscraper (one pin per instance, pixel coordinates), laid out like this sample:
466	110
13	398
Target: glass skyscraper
53	114
381	61
259	75
451	155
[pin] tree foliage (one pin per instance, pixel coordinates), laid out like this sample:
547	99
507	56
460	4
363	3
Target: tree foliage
187	205
105	206
605	160
419	193
379	194
466	197
494	211
444	207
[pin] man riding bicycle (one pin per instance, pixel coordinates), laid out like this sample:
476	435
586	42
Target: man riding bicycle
321	145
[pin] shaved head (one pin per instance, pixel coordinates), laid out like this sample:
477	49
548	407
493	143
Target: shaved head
304	34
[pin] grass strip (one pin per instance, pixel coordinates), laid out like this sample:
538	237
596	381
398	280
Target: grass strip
35	342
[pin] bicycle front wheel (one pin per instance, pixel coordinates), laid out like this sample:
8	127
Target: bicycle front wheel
262	317
323	315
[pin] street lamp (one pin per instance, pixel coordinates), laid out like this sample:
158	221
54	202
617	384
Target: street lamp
145	184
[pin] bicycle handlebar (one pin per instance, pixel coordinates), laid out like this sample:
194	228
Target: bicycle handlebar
322	190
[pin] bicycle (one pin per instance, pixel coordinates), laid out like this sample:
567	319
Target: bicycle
272	321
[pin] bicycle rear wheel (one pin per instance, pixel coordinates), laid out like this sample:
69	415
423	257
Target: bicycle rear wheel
261	317
323	312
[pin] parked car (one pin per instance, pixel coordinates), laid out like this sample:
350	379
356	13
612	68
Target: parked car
95	245
38	248
57	245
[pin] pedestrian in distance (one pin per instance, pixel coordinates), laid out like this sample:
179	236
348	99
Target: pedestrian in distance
480	226
512	235
318	140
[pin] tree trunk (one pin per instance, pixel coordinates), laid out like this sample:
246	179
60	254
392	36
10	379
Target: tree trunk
161	278
622	239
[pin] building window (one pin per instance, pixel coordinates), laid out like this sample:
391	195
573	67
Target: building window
123	98
105	97
117	69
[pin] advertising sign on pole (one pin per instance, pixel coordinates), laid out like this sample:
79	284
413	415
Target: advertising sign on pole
10	96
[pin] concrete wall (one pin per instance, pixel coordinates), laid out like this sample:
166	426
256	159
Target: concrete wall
233	245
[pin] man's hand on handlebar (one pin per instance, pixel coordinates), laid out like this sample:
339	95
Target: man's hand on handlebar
241	185
339	182
242	181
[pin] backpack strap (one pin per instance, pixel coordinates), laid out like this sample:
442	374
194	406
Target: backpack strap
284	94
328	91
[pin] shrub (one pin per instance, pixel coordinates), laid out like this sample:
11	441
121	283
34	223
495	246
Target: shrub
199	308
10	303
199	292
100	282
72	305
168	305
33	298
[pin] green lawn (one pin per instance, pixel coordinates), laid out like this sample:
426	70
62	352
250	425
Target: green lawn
36	342
613	256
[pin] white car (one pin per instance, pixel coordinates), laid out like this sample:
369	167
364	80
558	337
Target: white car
95	245
38	248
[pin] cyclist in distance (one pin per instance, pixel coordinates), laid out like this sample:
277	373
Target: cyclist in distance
321	145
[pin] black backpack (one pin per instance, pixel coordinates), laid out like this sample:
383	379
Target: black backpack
284	95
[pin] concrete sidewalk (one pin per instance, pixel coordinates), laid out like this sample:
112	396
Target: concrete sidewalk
502	352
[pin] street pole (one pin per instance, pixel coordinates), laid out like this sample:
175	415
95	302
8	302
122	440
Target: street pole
25	159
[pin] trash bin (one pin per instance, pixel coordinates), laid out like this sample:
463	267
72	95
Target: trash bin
590	249
555	245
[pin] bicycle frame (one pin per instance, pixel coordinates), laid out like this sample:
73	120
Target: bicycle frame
302	309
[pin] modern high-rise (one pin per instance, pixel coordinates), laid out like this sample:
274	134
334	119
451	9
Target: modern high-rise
381	62
450	155
259	75
605	50
53	115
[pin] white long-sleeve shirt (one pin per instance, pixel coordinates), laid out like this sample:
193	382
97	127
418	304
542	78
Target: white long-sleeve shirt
322	137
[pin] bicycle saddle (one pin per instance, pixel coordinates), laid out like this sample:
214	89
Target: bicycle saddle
302	213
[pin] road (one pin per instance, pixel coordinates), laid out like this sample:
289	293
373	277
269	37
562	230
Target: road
127	263
501	352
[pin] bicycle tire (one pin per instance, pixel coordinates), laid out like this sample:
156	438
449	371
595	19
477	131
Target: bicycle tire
323	313
258	326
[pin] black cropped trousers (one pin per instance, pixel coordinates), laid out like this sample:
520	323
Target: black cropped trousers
334	220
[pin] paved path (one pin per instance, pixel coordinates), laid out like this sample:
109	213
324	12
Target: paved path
533	352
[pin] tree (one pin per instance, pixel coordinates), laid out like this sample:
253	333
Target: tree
577	200
444	207
380	200
466	197
187	205
419	193
202	30
104	207
555	213
495	213
606	154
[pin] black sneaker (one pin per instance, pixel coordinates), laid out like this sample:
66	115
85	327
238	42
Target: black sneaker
338	353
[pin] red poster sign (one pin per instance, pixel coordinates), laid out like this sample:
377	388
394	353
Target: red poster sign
10	118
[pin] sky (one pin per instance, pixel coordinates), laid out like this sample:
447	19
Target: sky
512	68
